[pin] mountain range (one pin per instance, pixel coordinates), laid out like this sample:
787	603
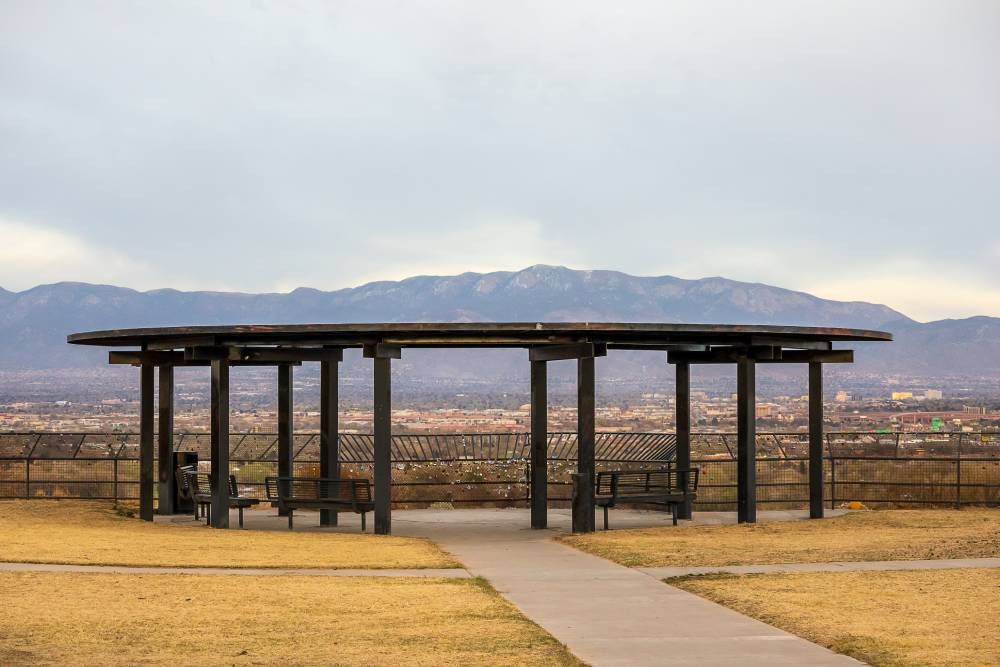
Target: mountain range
34	323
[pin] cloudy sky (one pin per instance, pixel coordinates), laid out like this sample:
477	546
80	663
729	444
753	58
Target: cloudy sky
847	149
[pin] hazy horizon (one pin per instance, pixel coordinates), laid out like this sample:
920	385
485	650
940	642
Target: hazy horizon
511	271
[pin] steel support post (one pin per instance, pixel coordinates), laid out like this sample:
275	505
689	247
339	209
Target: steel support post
383	446
682	407
329	426
746	441
539	445
219	475
167	491
285	424
815	440
583	502
146	372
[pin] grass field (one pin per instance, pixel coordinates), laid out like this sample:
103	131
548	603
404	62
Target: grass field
891	619
104	619
878	535
93	533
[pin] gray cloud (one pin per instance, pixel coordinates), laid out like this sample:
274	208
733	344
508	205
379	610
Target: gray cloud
846	148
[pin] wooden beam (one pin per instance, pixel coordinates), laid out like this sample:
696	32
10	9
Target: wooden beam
182	342
539	445
146	442
682	412
208	353
778	341
746	442
728	355
174	358
220	443
382	351
383	445
329	427
818	357
725	355
567	351
133	358
285	355
167	492
583	501
815	441
285	425
662	347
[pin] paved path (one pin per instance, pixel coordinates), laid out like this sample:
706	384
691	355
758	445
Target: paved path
449	573
606	614
862	566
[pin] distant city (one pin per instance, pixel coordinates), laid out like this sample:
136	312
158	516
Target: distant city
105	399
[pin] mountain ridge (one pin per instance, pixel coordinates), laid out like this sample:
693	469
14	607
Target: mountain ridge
34	322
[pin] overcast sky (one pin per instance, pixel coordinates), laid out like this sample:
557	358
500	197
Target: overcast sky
851	150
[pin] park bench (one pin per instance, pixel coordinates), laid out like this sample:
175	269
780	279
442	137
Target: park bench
197	486
670	487
291	493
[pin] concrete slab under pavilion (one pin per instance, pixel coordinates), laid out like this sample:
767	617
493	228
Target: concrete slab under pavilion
285	346
433	523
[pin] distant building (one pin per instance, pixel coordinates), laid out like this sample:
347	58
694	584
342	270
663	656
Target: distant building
933	394
766	410
901	395
841	397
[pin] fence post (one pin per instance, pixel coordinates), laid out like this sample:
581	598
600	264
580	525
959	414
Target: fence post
115	479
27	478
833	481
529	478
958	473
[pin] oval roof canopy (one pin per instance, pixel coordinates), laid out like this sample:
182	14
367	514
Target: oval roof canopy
477	334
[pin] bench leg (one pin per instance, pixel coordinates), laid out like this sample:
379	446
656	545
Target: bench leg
362	522
290	512
241	517
605	517
673	512
208	515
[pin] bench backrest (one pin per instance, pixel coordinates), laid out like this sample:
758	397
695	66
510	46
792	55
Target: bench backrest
191	482
624	483
319	488
183	481
199	482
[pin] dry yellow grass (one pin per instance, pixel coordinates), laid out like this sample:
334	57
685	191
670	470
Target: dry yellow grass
879	535
103	619
929	617
92	533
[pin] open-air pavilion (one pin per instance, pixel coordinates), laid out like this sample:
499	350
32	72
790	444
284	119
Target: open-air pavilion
285	346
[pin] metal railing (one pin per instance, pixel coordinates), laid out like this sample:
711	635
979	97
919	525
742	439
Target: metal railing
897	469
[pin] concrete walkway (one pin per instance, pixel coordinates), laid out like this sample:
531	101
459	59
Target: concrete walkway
845	566
606	614
447	573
